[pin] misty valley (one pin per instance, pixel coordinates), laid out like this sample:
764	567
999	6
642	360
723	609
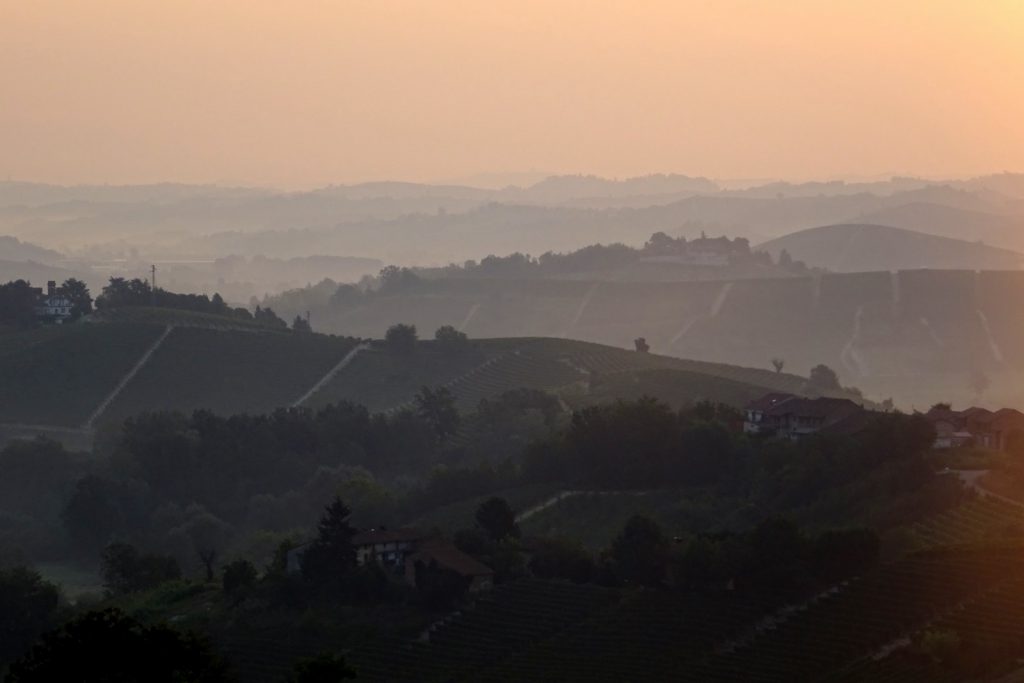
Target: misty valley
693	450
512	341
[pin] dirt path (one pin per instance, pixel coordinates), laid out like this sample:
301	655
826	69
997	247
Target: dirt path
332	373
972	480
127	378
579	311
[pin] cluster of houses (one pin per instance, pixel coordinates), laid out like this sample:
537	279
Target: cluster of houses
996	430
790	416
403	550
53	305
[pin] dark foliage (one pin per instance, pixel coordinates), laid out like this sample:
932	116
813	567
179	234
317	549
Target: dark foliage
401	338
497	519
324	668
331	556
126	570
108	646
28	607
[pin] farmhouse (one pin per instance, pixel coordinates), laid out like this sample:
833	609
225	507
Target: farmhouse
790	416
403	550
54	306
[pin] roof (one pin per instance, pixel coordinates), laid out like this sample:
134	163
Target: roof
853	423
446	555
374	536
769	401
787	404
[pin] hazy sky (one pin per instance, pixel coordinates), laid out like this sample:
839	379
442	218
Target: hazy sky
303	93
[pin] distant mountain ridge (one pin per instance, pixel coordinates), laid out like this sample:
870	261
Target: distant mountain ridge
851	248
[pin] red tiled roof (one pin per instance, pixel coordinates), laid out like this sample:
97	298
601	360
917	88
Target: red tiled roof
448	556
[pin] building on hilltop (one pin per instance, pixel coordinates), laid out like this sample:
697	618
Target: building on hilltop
54	306
792	417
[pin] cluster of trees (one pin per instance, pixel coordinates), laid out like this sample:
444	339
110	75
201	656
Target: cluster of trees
19	299
120	292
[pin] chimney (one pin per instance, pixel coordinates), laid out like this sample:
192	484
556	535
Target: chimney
51	288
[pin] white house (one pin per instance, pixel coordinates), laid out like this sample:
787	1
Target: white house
54	306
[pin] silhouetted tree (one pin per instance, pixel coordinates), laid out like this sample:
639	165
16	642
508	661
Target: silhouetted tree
641	345
17	303
125	570
81	300
640	552
497	519
437	408
331	555
401	338
300	324
778	364
823	378
450	339
108	646
28	607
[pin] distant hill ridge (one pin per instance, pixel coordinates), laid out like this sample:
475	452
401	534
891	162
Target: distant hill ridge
850	248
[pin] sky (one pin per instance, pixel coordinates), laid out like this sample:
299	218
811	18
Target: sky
307	93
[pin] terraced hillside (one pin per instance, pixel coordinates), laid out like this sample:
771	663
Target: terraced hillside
57	376
228	372
552	631
914	334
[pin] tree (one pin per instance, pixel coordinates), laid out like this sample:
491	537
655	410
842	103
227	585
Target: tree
401	338
108	646
641	345
267	317
437	408
78	293
497	519
300	324
238	576
640	552
332	554
125	570
778	364
823	378
450	339
207	534
324	668
18	303
28	607
785	260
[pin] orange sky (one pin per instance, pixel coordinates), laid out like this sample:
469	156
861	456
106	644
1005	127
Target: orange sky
311	92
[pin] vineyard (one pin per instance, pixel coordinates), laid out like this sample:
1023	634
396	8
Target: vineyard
228	372
580	372
58	376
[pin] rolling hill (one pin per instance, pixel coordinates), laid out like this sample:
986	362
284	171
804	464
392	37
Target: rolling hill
858	248
85	375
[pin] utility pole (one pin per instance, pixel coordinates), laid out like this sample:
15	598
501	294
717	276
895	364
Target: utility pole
152	269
